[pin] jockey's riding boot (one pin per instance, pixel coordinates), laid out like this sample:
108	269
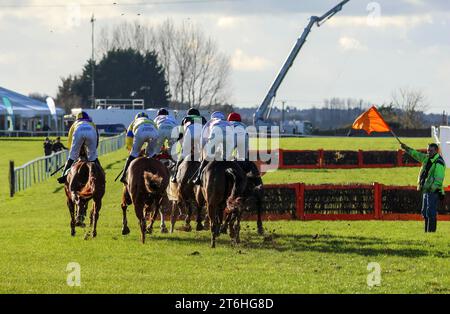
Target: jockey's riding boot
198	175
67	166
97	162
123	179
173	179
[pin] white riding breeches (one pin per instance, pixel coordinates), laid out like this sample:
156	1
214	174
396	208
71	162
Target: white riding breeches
145	133
85	134
165	133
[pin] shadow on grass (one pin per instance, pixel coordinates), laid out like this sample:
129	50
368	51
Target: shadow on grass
326	243
109	166
58	189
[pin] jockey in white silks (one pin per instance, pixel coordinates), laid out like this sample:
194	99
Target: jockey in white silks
241	145
166	125
82	132
190	137
142	130
218	142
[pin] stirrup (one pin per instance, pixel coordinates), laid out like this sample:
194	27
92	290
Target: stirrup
62	180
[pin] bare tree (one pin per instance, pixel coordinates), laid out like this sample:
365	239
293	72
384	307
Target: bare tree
412	104
197	72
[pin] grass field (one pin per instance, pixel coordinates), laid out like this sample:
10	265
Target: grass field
293	257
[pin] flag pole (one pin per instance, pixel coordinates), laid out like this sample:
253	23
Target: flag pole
395	135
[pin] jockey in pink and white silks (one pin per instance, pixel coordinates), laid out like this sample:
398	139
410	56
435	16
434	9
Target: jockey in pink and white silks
218	142
166	125
142	130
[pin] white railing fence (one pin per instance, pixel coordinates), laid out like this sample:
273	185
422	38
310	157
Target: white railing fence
40	169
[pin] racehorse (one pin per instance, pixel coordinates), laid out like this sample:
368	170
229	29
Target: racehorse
253	193
224	183
85	182
188	195
147	181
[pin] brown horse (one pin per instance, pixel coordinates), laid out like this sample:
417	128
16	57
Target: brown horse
85	182
187	195
224	183
147	181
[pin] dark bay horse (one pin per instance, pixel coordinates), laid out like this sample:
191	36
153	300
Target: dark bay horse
187	195
253	194
223	187
85	182
147	181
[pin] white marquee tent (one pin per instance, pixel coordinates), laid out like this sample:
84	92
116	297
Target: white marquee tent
22	113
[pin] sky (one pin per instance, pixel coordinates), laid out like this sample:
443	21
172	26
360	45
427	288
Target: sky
366	51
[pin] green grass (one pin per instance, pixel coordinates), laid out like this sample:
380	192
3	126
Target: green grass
36	248
388	176
348	143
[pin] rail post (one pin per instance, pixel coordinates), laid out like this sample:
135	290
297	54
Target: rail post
378	201
12	179
360	159
300	205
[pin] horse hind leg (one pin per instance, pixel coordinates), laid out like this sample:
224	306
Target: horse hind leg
97	206
71	207
125	202
259	222
173	217
163	205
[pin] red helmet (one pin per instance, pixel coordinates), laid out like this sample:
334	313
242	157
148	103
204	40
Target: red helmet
234	116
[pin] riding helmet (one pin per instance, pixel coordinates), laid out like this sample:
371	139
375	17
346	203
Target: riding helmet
163	112
141	115
234	116
83	116
193	112
218	115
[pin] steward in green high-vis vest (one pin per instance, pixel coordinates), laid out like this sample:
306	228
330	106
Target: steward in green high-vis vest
430	182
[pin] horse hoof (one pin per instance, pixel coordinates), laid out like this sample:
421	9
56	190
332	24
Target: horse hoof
164	230
149	230
72	233
94	234
125	231
199	227
223	230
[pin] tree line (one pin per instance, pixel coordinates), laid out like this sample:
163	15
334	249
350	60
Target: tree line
174	64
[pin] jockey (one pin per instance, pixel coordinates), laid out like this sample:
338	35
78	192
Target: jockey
82	132
217	134
241	144
191	128
141	130
166	124
241	138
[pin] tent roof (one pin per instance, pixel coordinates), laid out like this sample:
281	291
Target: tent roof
25	106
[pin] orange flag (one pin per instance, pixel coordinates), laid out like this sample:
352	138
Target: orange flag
371	121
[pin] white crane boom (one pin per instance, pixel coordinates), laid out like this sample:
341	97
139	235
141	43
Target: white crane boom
261	116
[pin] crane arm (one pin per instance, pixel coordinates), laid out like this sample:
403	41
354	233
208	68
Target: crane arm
263	111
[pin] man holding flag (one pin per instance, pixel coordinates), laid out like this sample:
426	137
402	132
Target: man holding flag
431	176
430	182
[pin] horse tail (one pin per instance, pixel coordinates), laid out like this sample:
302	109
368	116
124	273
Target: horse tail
152	182
239	183
89	189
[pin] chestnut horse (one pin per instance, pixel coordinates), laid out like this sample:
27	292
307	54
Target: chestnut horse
223	186
85	182
147	181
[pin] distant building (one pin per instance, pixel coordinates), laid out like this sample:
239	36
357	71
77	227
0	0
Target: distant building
21	113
